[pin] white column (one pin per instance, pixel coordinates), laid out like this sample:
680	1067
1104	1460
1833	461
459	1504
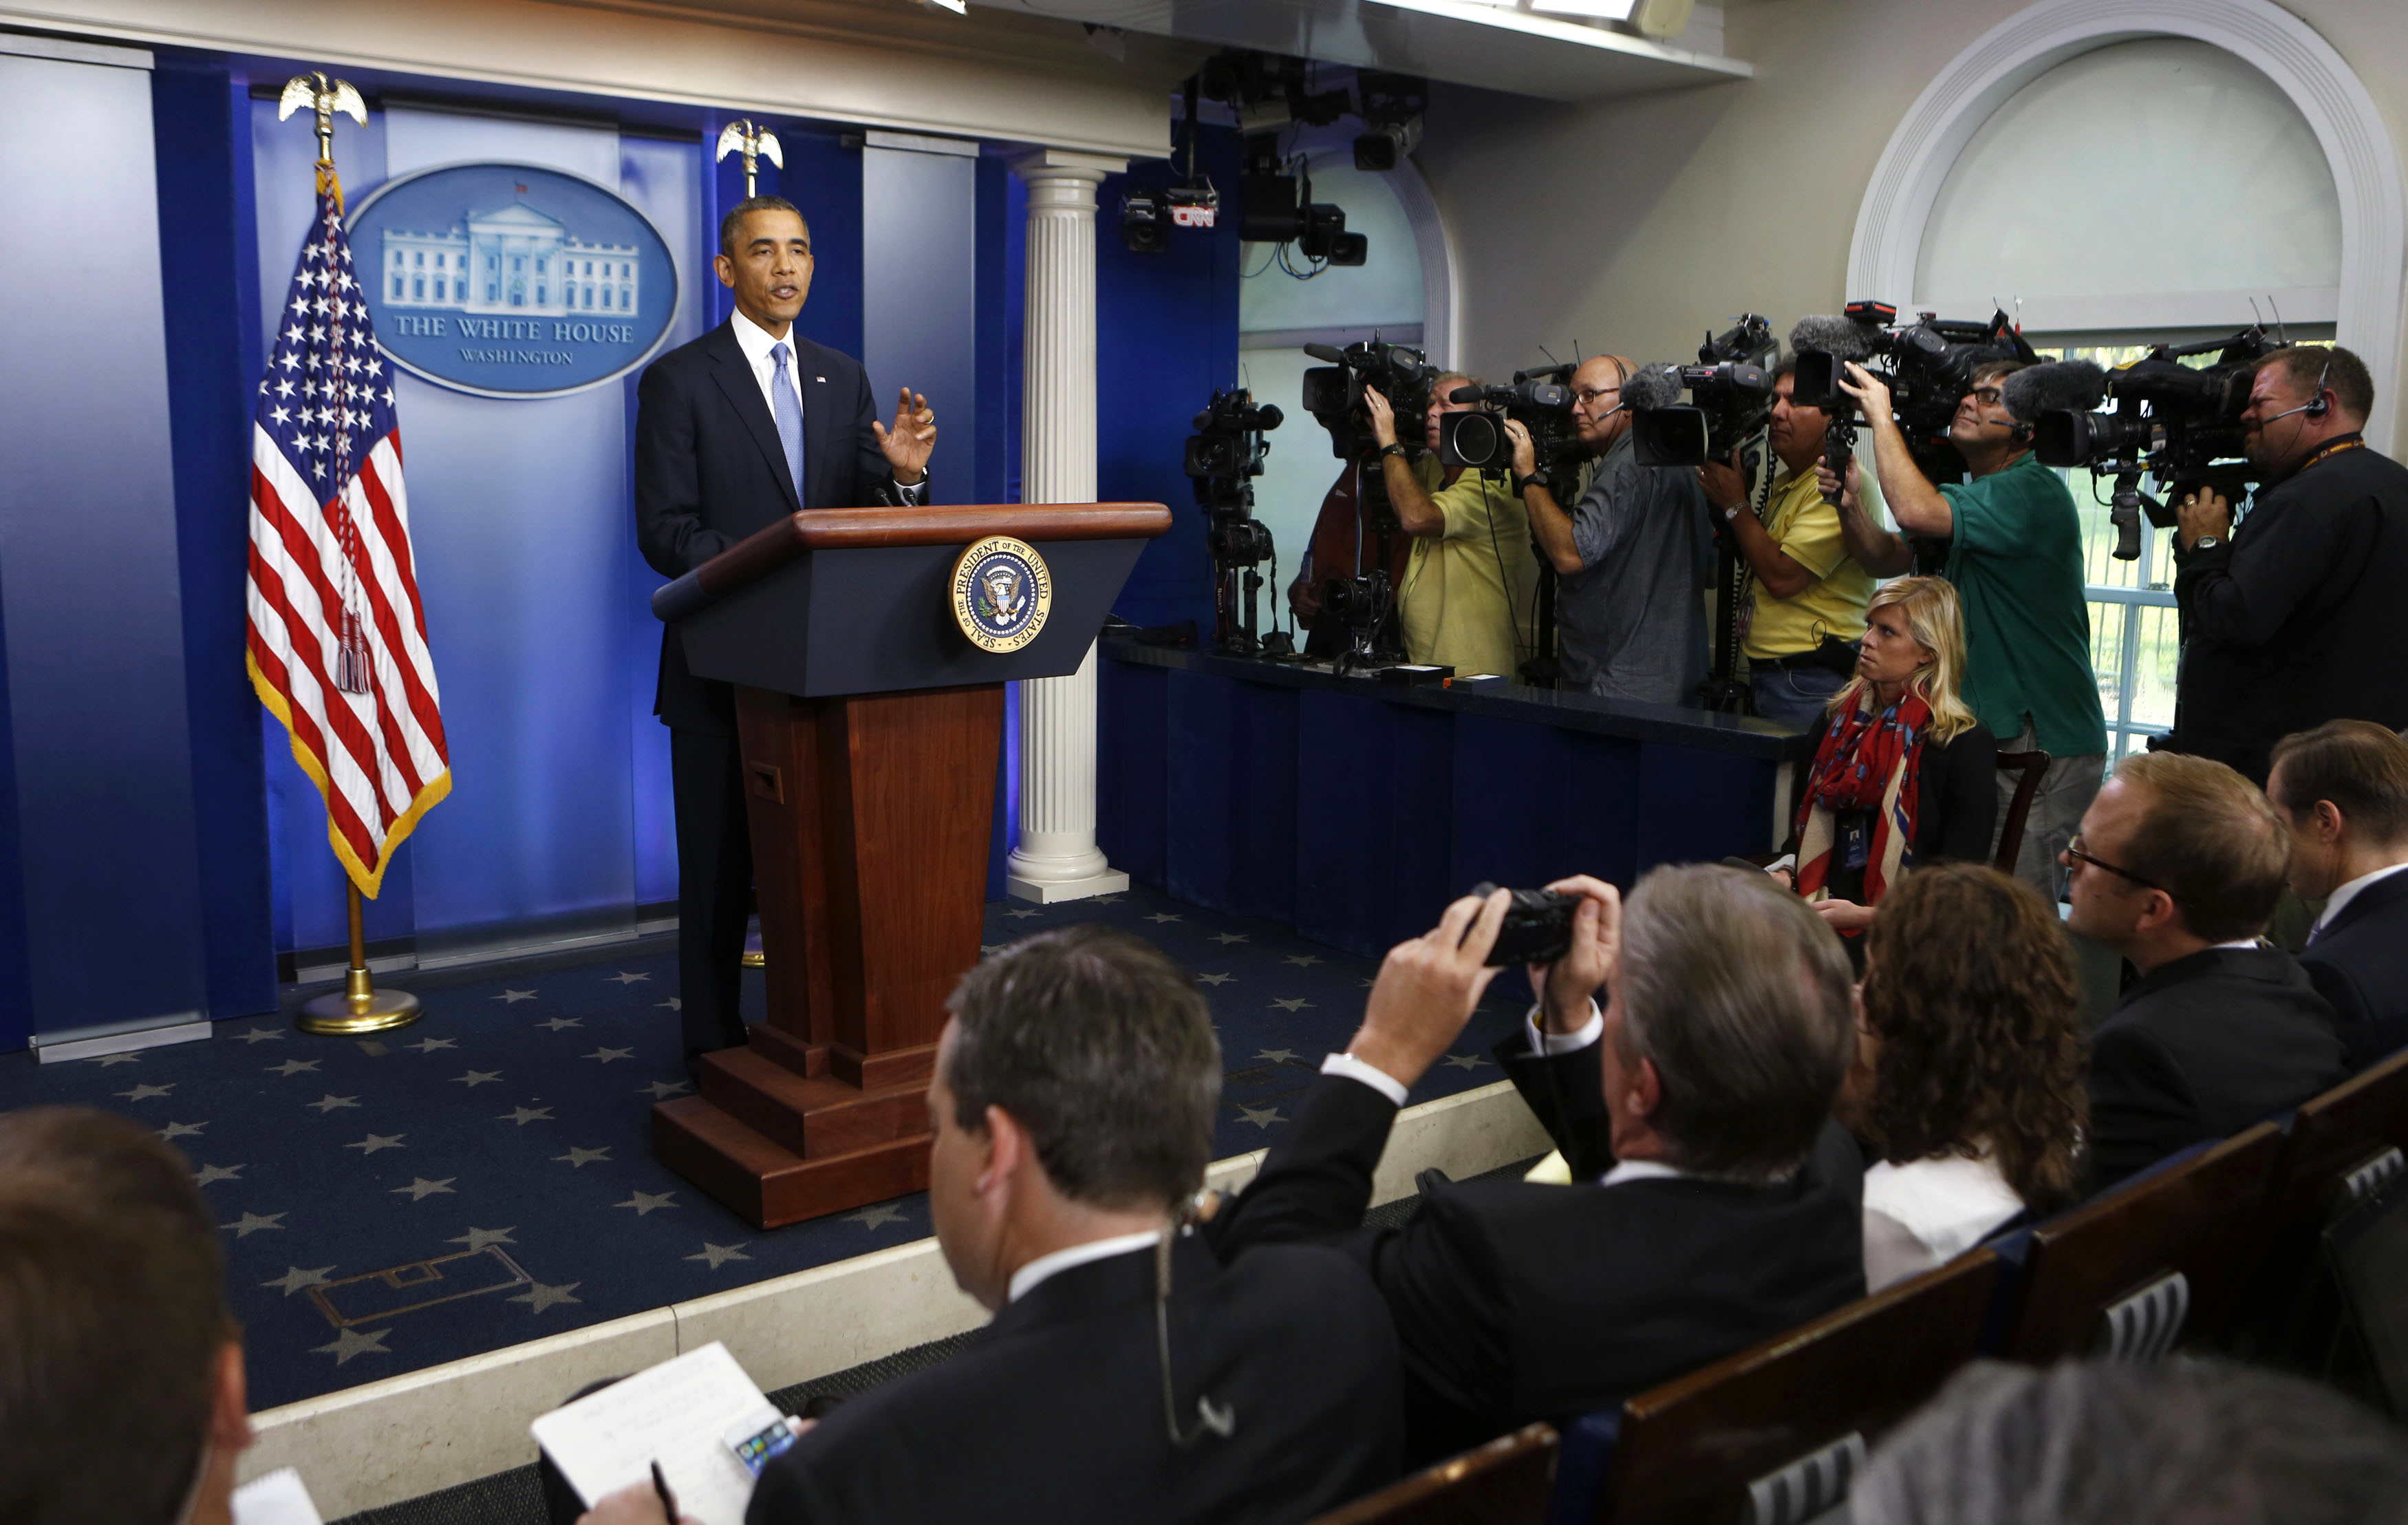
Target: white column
1056	857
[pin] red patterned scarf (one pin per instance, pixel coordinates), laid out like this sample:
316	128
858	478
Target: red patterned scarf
1868	762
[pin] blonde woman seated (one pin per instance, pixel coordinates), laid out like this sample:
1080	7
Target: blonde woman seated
1903	774
1969	1086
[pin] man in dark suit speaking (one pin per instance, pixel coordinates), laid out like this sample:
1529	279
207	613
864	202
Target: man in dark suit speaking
746	424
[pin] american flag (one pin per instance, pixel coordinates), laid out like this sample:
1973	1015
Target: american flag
337	640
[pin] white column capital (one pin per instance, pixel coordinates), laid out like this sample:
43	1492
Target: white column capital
1064	164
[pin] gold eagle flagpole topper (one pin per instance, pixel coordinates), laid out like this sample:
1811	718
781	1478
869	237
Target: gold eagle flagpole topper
360	1006
756	142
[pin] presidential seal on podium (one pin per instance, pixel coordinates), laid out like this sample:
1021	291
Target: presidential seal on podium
1001	593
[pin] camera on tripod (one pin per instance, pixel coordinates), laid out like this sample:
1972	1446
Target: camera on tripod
2178	425
1730	393
1333	391
1360	606
1223	457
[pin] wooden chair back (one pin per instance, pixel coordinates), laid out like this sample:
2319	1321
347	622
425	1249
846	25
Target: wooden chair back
1771	1435
1505	1482
2348	1128
2010	832
2161	1262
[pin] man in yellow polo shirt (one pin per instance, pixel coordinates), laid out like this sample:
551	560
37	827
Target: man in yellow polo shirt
1803	610
1470	596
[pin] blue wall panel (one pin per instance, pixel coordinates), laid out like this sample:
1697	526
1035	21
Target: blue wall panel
1533	804
1166	338
89	580
919	299
200	120
1232	829
1132	768
1373	858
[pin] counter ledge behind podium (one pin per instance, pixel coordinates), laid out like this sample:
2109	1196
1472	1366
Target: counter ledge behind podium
746	424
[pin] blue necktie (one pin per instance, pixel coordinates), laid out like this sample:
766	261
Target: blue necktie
788	411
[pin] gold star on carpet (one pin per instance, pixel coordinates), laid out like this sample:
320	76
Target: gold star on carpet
1292	1003
419	1189
1216	980
207	1174
1277	1055
525	1116
178	1130
144	1093
350	1342
293	1067
644	1201
294	1279
873	1217
251	1223
374	1141
719	1254
477	1239
329	1102
607	1055
1260	1117
578	1159
1225	938
475	1078
538	1296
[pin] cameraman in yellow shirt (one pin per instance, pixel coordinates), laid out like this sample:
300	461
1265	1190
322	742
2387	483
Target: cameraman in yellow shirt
1470	596
1803	610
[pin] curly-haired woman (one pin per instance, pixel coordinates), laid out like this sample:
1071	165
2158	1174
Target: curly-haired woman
1903	774
1970	1079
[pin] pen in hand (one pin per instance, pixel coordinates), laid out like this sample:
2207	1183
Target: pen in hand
661	1485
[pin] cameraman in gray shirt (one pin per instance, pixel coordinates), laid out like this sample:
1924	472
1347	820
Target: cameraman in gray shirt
1633	556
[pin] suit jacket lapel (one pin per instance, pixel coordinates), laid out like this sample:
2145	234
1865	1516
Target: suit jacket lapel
820	443
742	390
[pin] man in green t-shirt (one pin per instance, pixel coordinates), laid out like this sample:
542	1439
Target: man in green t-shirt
1804	606
2016	556
1469	593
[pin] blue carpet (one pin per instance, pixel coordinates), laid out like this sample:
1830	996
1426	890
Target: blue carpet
484	1177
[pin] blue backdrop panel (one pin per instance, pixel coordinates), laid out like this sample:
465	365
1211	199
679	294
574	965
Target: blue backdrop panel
1166	338
995	473
89	580
307	881
1702	806
1533	803
523	530
919	297
1232	831
1372	859
1132	765
663	178
200	120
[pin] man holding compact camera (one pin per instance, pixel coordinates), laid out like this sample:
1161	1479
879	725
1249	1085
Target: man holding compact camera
1470	593
2284	620
1633	555
2015	554
1803	610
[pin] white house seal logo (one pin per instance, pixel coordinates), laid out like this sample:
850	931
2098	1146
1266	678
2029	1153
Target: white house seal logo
1001	594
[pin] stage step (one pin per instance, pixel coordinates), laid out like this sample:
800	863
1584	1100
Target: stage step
813	1116
771	1184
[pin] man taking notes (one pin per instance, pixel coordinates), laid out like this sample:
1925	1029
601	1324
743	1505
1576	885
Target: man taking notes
1130	1373
746	424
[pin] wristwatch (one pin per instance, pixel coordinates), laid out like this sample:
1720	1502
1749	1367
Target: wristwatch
1397	449
1730	514
1523	484
2207	542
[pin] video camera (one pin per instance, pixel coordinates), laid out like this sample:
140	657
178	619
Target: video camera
1929	365
2179	424
1730	390
1224	457
1333	391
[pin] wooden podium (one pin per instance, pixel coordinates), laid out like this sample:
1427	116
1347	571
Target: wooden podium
870	727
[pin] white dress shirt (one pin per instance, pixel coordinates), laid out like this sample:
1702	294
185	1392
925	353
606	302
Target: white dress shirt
2343	894
1025	1279
757	343
1927	1212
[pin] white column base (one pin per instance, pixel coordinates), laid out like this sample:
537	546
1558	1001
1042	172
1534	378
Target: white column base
1111	881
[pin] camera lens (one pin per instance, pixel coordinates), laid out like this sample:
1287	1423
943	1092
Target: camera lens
1477	439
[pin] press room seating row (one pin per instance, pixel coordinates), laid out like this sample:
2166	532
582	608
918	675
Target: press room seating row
2219	1238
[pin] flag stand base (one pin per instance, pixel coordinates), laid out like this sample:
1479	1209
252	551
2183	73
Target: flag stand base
361	1007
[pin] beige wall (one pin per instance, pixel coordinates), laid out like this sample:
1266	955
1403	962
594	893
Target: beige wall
1634	223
